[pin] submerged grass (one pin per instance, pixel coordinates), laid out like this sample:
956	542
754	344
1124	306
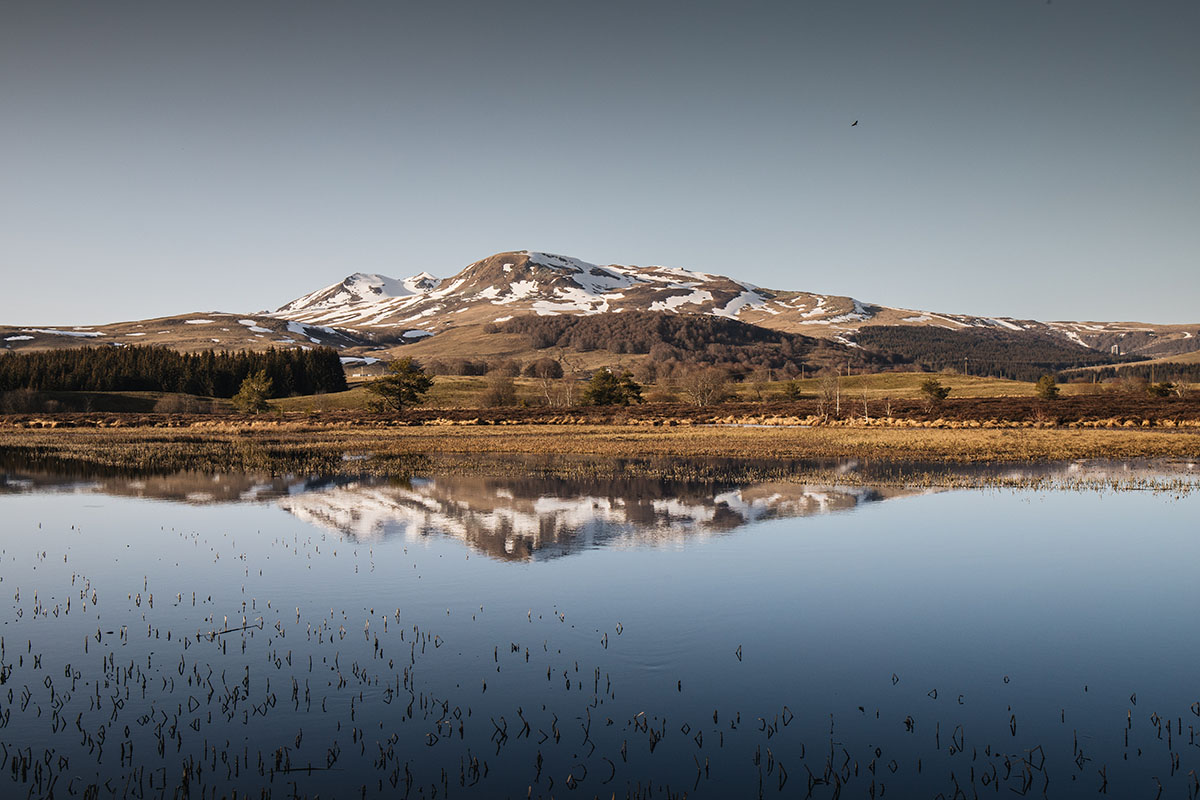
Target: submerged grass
704	453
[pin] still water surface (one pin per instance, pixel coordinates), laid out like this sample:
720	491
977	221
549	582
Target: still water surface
456	636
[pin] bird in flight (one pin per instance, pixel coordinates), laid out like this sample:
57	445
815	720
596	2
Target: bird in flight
852	124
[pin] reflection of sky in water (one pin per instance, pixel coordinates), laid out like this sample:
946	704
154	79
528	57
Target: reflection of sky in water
952	591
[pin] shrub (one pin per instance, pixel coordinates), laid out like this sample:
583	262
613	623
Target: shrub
933	389
500	391
1046	388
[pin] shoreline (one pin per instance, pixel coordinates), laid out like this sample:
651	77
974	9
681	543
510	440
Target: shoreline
306	447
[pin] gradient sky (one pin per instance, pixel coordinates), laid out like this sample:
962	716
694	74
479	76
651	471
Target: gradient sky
1012	157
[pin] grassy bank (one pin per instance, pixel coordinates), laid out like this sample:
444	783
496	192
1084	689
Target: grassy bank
315	448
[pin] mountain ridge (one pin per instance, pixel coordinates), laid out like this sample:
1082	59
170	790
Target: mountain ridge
505	284
368	315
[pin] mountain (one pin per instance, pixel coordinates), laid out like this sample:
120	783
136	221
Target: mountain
508	284
513	304
188	332
360	289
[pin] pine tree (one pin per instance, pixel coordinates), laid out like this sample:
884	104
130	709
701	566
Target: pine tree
403	385
251	397
607	389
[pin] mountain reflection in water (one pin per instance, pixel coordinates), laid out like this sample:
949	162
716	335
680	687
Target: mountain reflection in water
516	519
530	516
525	519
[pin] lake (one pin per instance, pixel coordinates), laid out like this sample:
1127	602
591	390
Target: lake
531	635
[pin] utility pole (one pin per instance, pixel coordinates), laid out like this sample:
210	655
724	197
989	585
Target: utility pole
837	394
965	366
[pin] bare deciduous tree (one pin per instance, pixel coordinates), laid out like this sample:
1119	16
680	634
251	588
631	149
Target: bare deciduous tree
830	393
706	385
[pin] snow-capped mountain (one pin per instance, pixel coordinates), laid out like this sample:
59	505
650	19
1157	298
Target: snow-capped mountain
365	313
507	284
362	288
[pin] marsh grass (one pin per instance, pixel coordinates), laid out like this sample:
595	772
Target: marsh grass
692	453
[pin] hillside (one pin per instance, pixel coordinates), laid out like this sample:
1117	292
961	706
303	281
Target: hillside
186	332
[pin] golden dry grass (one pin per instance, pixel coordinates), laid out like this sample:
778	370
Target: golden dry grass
301	447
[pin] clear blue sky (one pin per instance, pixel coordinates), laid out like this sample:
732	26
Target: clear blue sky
1012	157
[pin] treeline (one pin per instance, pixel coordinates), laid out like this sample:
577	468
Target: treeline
1147	373
981	351
159	369
684	340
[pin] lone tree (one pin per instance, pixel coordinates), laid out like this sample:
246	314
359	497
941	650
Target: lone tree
934	392
252	395
401	386
547	371
1046	388
607	389
705	385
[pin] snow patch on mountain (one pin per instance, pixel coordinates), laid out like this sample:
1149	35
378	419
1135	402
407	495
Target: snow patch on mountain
559	262
673	303
57	332
518	290
859	314
744	300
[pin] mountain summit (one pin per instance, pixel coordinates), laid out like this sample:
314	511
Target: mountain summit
360	288
503	285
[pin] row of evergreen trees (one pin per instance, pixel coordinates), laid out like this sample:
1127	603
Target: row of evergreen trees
1021	356
1160	372
159	369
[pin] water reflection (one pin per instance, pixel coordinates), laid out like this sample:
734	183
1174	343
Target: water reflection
525	519
530	517
982	640
522	518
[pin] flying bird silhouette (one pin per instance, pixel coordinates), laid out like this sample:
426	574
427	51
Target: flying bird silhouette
852	124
